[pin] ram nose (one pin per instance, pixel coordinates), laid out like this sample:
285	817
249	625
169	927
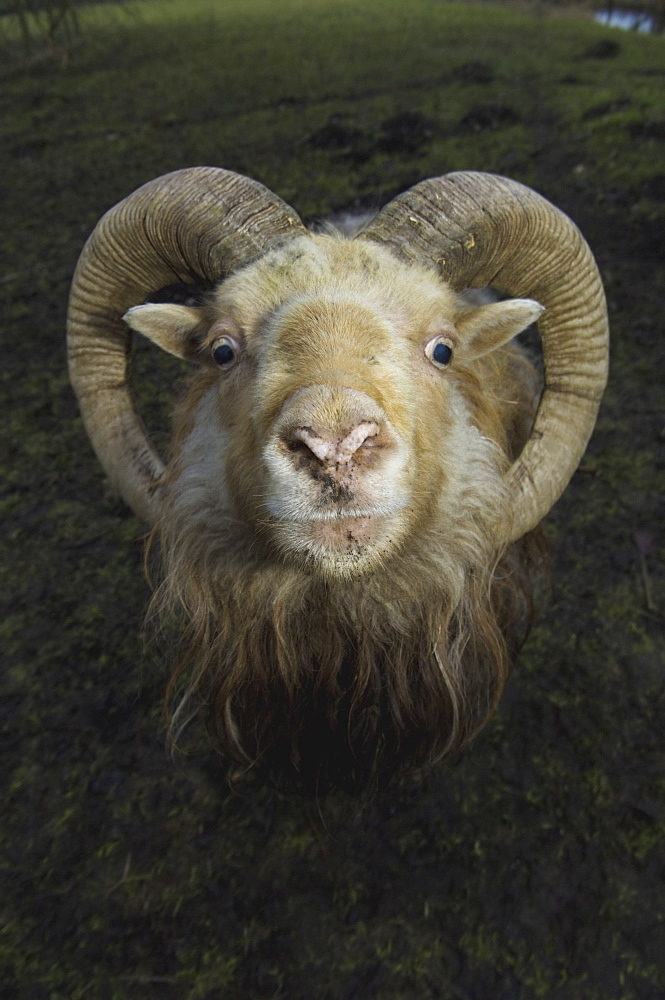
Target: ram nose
331	449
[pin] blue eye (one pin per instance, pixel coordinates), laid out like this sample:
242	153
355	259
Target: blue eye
225	353
440	352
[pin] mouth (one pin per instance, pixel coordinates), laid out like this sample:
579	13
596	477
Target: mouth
346	533
341	545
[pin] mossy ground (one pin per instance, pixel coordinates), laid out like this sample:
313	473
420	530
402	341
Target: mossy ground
534	866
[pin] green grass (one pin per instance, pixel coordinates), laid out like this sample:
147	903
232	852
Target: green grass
533	866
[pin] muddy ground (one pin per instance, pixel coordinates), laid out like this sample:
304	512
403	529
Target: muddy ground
534	865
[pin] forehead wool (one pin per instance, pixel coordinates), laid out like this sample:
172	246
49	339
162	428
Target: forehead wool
338	270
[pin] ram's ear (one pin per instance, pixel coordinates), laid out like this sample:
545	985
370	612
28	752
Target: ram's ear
176	329
484	329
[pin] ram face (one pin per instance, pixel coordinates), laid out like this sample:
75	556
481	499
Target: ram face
357	469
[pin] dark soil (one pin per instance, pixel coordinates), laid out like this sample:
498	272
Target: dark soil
534	866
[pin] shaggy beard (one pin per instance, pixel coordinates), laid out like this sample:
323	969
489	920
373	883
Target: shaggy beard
343	686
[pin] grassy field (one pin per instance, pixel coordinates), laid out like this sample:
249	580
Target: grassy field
534	866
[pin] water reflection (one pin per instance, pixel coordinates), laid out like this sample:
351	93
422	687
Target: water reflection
631	20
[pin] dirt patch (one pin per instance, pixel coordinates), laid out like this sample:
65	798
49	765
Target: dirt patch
606	108
647	129
405	133
474	72
605	49
336	135
488	117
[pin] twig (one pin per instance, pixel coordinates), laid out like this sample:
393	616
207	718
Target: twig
643	542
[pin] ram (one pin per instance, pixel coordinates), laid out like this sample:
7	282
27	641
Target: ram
348	517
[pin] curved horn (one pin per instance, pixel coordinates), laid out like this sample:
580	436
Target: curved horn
481	229
193	226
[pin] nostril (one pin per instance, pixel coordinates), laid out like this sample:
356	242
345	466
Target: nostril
331	447
306	439
296	445
300	453
363	434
